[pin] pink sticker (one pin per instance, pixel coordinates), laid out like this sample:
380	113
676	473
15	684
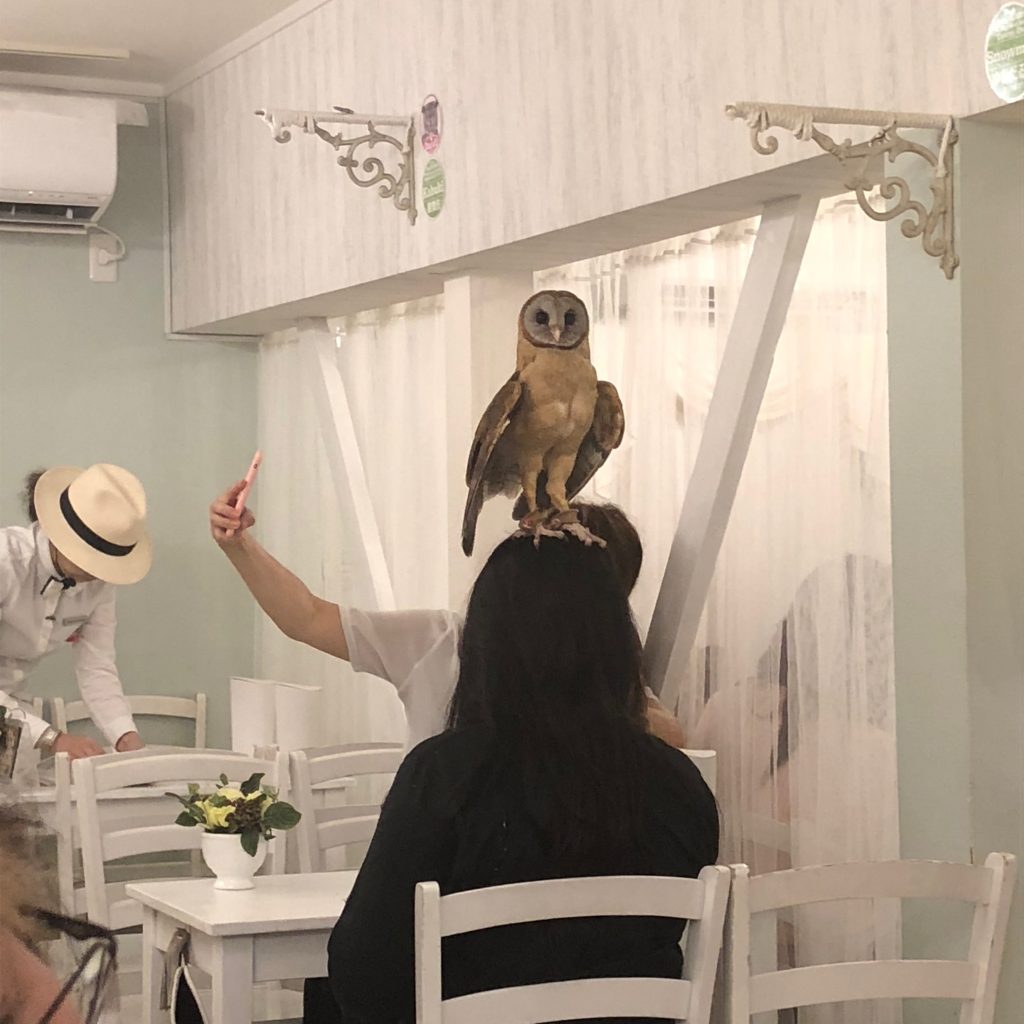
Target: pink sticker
430	113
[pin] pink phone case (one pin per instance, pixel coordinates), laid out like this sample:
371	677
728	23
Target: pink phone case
243	494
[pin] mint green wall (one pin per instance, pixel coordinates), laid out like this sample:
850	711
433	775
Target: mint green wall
86	375
956	364
992	238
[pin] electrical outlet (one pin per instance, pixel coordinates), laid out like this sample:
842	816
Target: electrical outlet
102	265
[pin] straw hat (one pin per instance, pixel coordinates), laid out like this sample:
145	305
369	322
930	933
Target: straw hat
96	517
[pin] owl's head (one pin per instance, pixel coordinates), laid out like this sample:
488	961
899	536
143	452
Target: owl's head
554	320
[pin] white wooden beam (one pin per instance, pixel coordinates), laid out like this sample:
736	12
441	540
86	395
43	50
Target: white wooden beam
481	317
742	377
319	350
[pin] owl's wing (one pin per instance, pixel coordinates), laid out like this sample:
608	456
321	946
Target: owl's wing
605	434
480	468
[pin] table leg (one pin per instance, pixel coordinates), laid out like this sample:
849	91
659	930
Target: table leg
152	968
231	972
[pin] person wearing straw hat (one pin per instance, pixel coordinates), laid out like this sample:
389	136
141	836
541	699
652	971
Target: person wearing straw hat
57	580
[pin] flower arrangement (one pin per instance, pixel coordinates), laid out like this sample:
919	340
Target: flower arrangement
249	810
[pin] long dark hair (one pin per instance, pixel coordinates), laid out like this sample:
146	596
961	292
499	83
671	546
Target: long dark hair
612	525
550	661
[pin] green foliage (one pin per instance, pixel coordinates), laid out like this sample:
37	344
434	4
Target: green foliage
251	841
281	815
257	812
252	784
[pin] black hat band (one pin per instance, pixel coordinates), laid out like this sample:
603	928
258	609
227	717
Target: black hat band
94	540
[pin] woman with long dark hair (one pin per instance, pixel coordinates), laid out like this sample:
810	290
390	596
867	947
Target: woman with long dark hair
508	794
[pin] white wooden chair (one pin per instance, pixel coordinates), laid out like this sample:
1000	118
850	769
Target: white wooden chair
69	837
701	901
66	831
192	708
111	813
313	772
105	902
973	981
707	764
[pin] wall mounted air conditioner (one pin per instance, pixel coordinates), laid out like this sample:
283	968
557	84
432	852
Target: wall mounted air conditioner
58	158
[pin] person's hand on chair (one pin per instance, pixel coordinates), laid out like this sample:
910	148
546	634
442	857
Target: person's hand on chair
226	524
75	746
129	741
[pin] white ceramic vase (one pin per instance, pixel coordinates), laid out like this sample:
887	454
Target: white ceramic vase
233	867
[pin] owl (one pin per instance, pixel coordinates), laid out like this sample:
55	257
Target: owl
550	427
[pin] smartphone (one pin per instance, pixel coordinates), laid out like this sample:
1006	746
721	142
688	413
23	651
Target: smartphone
250	477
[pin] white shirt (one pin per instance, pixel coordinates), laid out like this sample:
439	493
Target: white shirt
418	653
35	621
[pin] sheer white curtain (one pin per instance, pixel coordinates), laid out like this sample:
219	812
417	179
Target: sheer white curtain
791	679
392	363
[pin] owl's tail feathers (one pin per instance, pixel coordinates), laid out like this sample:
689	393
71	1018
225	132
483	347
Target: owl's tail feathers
474	502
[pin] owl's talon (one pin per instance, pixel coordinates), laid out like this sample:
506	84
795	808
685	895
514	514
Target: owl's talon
560	531
582	534
538	531
560	520
534	519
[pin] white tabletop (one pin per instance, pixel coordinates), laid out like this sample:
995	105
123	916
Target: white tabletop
279	903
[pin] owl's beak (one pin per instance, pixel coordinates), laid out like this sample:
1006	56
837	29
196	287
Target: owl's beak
556	333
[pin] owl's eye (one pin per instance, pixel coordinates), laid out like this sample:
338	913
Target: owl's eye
570	318
541	317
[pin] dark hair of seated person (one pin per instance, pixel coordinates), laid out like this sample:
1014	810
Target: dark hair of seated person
550	663
546	770
613	526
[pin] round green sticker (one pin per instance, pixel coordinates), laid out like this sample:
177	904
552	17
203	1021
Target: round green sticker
1004	53
433	188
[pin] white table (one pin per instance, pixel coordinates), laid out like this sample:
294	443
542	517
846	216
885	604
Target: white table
275	932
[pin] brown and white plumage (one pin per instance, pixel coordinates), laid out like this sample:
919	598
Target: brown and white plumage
551	426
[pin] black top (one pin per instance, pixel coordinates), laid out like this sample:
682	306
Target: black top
454	816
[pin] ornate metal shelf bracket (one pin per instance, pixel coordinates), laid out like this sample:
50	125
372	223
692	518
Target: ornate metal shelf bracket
398	185
935	225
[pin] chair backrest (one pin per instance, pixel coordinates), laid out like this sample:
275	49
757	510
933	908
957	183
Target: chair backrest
707	764
97	777
701	901
193	708
66	833
313	772
973	981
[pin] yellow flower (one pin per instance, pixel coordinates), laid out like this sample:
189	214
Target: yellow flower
216	817
230	793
